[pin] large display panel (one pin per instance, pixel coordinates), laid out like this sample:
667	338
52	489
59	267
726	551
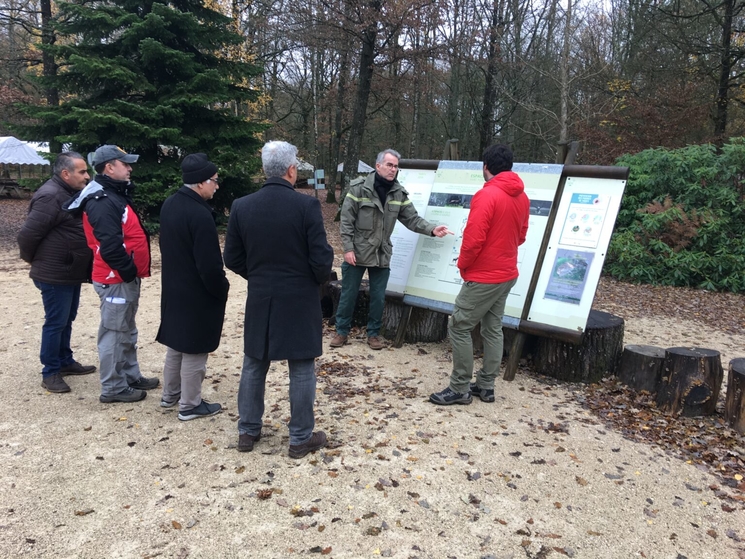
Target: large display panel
576	252
434	280
418	183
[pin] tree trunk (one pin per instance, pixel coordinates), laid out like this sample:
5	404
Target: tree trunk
359	116
490	93
49	65
734	407
641	367
596	356
424	325
691	380
725	73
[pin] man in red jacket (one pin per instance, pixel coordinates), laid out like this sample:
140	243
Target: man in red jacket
497	225
121	258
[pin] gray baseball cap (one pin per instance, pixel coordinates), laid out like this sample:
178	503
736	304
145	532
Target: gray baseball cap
109	153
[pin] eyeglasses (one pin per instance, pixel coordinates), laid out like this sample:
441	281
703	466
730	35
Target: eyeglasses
216	181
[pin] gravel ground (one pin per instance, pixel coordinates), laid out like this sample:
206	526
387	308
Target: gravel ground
534	475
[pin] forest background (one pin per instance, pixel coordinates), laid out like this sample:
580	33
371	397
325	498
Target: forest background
344	79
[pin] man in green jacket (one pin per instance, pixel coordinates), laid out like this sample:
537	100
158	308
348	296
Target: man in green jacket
368	215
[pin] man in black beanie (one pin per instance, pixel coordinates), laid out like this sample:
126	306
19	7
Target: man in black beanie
194	288
368	215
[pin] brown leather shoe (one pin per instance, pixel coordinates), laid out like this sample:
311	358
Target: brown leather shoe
375	342
338	340
246	442
55	383
317	441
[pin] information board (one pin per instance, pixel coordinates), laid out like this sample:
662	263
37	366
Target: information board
434	279
418	183
576	252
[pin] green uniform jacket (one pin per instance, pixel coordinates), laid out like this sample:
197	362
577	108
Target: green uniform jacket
367	223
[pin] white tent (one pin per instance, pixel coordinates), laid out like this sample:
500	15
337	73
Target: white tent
303	165
13	150
362	167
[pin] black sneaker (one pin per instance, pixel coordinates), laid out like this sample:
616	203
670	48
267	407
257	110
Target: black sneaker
485	394
128	395
144	383
170	403
55	383
202	410
447	397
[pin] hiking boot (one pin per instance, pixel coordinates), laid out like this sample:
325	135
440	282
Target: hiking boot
128	395
55	383
375	342
486	395
76	368
202	410
316	441
338	340
144	383
447	397
246	442
164	403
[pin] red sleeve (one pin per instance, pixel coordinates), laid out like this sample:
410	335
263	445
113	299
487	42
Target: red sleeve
477	227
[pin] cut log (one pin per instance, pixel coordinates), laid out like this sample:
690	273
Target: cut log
424	325
596	356
641	367
691	380
734	407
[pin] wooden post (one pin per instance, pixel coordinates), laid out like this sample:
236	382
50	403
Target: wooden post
691	380
641	367
734	407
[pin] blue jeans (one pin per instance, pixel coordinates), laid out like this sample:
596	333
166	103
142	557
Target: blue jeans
302	397
351	277
60	309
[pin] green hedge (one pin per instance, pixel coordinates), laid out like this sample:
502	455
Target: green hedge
682	218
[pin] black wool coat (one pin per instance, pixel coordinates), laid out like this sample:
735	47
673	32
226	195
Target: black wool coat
276	240
194	286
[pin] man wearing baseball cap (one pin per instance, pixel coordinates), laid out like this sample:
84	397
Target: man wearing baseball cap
121	257
194	288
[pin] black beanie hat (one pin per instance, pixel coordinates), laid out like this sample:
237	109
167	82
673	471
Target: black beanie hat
196	168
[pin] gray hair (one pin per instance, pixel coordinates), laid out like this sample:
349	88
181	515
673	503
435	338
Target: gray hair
277	157
385	152
192	186
66	162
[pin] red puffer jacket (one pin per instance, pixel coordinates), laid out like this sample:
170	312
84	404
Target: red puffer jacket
497	225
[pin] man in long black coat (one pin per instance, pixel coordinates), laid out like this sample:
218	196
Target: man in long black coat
276	240
194	288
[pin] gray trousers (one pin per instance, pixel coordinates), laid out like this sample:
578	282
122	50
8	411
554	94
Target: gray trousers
484	303
117	336
183	374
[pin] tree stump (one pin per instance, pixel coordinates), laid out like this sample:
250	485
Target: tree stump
597	355
641	367
691	380
734	407
424	325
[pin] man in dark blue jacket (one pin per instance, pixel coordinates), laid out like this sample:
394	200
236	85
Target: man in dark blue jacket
194	288
276	240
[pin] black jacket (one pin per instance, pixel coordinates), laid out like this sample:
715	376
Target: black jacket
194	286
52	240
277	241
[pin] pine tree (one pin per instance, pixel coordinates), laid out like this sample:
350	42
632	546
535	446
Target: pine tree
153	77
